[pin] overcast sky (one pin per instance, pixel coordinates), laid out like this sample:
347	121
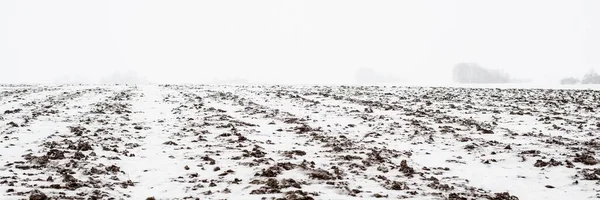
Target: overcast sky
293	42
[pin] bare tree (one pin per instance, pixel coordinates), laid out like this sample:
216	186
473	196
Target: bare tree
591	78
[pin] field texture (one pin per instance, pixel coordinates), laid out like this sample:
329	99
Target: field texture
297	142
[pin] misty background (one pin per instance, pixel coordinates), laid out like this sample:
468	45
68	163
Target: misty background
295	42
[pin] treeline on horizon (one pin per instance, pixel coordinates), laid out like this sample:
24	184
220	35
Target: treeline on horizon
474	73
589	78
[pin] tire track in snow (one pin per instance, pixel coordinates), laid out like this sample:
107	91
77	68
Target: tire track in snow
153	167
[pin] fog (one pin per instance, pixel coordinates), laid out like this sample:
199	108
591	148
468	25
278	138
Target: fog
294	42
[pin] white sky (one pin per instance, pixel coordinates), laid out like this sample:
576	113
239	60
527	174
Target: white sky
295	41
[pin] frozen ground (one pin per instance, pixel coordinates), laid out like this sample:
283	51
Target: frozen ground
298	142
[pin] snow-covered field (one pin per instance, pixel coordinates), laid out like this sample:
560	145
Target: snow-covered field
297	142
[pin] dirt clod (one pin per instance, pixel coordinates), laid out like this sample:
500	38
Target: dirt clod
37	195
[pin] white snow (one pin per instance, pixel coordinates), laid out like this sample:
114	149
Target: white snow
321	142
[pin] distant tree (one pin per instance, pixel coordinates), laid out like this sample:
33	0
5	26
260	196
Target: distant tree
473	73
569	81
591	78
